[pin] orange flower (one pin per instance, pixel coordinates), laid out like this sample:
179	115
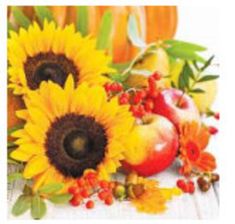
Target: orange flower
194	139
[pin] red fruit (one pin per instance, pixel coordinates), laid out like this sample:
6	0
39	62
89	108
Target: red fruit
116	87
81	182
180	183
107	87
149	105
104	184
153	93
103	195
217	116
73	190
156	76
109	200
157	150
84	193
136	99
151	82
191	187
90	204
75	201
124	98
138	110
213	130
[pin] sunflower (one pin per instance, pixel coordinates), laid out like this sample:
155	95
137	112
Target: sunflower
150	198
71	130
194	139
51	53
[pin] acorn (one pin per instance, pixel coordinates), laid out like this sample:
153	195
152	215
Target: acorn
132	178
215	177
203	184
119	191
135	190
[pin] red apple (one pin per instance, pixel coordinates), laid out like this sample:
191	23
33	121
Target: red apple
177	106
155	146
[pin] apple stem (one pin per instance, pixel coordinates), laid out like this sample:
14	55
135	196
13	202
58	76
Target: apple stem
180	99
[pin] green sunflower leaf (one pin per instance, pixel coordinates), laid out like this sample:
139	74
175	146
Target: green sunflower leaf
43	12
38	207
20	17
104	34
51	188
14	176
82	20
133	33
21	205
60	198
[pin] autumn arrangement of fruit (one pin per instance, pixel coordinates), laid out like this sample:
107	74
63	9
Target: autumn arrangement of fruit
100	90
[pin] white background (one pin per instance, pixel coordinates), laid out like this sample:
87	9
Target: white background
208	27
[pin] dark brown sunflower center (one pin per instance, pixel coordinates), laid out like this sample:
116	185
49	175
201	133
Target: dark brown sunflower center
49	66
75	143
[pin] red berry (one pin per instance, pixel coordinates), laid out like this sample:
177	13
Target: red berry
156	76
217	116
112	185
213	130
103	195
136	99
73	190
191	187
153	93
124	98
109	200
140	111
90	204
81	182
116	87
149	105
104	184
180	183
75	201
84	193
151	82
107	87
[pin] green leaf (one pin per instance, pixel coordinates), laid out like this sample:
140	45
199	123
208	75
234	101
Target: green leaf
27	190
197	90
133	32
184	53
43	12
104	34
82	20
173	84
11	144
208	78
38	207
185	45
207	63
120	67
21	205
14	176
196	65
60	198
20	17
13	129
51	188
184	76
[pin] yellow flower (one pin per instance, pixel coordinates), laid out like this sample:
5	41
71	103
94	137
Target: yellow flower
153	199
69	131
51	53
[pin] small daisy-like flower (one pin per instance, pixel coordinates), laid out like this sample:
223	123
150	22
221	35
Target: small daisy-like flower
51	53
69	131
194	139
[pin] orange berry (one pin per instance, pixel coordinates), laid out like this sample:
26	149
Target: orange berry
84	193
90	204
75	201
73	190
103	195
81	182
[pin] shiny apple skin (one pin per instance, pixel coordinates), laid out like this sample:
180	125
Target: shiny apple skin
161	149
166	104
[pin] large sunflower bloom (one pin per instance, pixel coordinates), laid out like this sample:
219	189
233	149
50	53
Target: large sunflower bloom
194	139
69	131
51	53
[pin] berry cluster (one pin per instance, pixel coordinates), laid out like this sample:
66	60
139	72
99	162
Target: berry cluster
141	101
89	185
186	187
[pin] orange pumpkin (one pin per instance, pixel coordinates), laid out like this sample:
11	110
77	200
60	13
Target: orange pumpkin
154	23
